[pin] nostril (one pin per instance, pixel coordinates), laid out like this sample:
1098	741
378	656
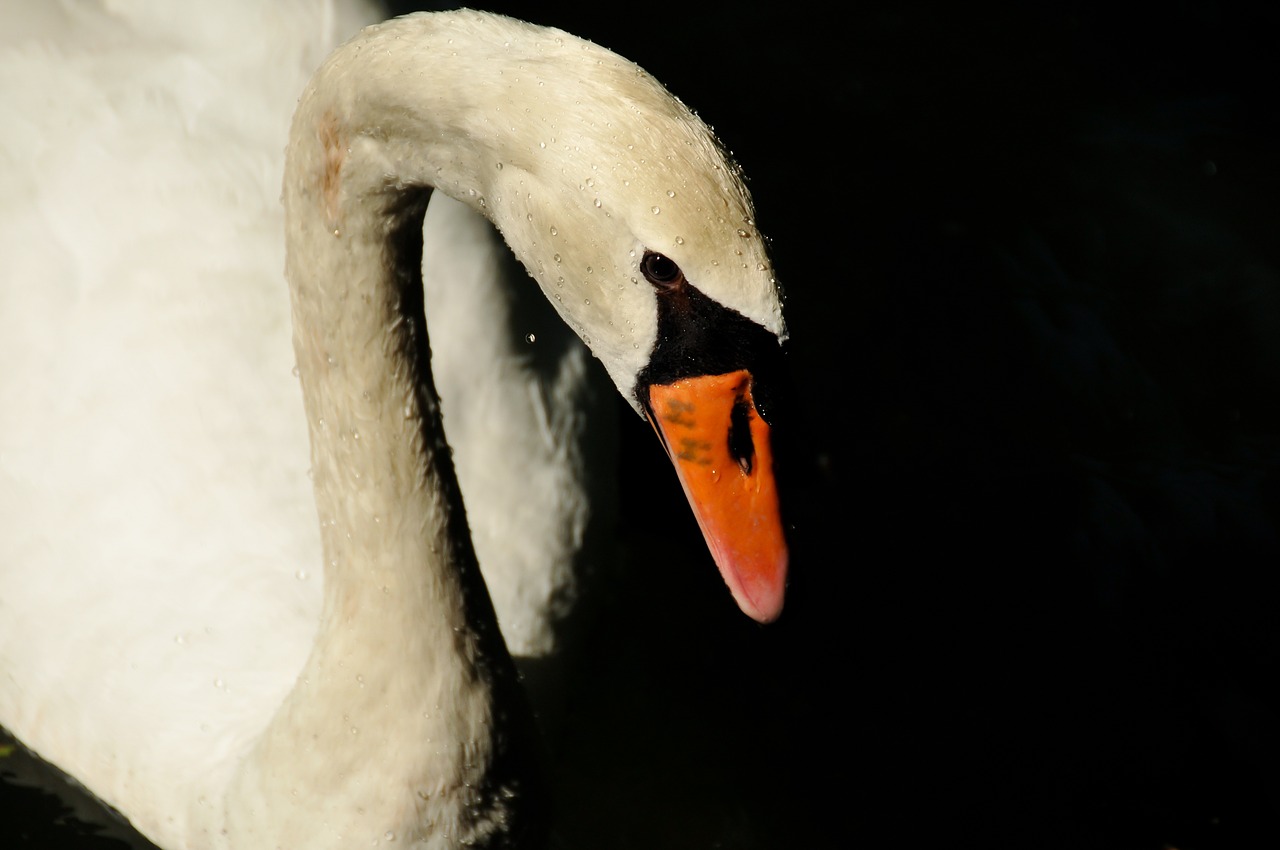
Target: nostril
741	447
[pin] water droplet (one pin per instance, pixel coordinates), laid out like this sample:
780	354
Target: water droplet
300	575
742	232
530	338
760	267
587	301
657	210
598	203
218	683
679	240
555	231
671	193
555	257
499	166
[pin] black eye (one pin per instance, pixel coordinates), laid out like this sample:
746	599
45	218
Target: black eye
661	271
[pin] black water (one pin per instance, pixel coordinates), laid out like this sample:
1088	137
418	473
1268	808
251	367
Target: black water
1034	289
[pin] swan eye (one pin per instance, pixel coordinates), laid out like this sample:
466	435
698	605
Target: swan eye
661	271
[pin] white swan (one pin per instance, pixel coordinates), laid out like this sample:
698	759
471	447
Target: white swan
161	637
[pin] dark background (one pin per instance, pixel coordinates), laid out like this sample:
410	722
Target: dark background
1033	284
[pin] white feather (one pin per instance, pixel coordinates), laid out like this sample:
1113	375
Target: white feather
163	625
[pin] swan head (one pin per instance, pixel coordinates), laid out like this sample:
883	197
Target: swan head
637	225
604	169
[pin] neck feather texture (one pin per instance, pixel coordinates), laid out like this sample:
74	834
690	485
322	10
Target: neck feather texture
407	711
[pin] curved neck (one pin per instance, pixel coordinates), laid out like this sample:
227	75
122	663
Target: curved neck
409	684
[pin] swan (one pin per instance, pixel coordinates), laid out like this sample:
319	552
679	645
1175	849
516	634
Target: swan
235	642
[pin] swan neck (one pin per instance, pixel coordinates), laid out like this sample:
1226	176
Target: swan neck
408	683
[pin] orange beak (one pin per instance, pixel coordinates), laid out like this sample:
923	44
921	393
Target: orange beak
723	455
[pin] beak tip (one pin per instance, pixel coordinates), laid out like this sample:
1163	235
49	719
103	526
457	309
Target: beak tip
762	602
764	615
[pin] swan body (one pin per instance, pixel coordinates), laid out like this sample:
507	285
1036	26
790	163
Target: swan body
246	627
